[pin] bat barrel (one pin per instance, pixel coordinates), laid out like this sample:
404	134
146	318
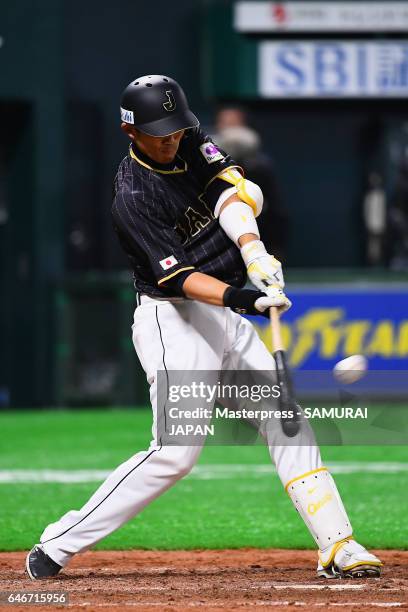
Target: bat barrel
287	402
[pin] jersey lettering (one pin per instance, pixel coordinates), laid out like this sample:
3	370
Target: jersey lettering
192	223
196	221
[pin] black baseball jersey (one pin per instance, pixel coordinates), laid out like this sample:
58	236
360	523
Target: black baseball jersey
163	215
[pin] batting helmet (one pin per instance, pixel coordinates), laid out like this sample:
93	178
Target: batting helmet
156	105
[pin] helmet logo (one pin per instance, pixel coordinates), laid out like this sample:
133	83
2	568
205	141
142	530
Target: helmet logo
170	105
127	115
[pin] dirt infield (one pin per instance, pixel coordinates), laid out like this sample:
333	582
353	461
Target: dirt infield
209	580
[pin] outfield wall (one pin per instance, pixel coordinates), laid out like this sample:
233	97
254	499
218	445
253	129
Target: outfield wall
96	362
329	322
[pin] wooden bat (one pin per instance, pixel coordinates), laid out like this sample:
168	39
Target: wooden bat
287	401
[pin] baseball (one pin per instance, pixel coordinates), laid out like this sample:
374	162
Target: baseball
351	369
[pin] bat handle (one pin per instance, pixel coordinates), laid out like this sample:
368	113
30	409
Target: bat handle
276	329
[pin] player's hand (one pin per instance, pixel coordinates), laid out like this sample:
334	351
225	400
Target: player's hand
248	301
264	271
274	297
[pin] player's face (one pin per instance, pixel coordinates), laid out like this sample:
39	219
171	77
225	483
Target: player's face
160	149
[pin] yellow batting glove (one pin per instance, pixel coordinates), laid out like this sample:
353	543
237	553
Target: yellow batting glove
263	269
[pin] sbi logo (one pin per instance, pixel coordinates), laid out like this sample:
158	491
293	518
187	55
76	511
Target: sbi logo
332	68
324	67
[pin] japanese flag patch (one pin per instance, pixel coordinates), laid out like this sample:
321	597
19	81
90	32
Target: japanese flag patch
211	153
168	262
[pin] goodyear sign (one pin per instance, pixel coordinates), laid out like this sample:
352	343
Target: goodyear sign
327	324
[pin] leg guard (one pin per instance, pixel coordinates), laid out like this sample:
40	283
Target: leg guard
318	502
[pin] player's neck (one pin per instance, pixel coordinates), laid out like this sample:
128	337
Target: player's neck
177	166
148	161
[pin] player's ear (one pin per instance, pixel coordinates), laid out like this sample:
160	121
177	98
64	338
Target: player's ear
129	130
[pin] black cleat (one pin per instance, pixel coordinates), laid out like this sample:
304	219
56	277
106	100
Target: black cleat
39	565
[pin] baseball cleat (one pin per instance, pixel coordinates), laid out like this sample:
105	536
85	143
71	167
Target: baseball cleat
39	565
348	559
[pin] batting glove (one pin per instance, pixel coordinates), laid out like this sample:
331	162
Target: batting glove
274	297
264	270
248	301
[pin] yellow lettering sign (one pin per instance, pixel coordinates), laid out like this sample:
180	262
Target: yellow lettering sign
327	332
382	340
402	341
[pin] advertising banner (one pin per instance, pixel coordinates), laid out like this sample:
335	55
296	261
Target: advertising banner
327	324
320	17
303	69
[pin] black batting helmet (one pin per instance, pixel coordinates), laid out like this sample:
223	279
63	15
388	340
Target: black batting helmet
156	105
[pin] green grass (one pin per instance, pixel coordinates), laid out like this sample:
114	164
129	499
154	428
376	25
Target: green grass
232	512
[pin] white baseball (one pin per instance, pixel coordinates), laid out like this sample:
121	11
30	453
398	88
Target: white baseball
351	369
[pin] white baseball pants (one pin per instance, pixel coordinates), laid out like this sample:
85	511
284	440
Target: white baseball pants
173	335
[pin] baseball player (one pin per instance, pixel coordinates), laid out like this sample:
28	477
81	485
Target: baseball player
186	217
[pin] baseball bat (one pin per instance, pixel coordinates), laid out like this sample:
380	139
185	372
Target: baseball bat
287	401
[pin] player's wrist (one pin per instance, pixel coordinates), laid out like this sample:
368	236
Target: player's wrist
252	251
242	301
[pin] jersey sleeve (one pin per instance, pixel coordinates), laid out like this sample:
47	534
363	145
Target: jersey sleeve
208	162
148	235
207	158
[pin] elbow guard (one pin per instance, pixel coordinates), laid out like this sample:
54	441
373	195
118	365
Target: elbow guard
246	190
238	219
